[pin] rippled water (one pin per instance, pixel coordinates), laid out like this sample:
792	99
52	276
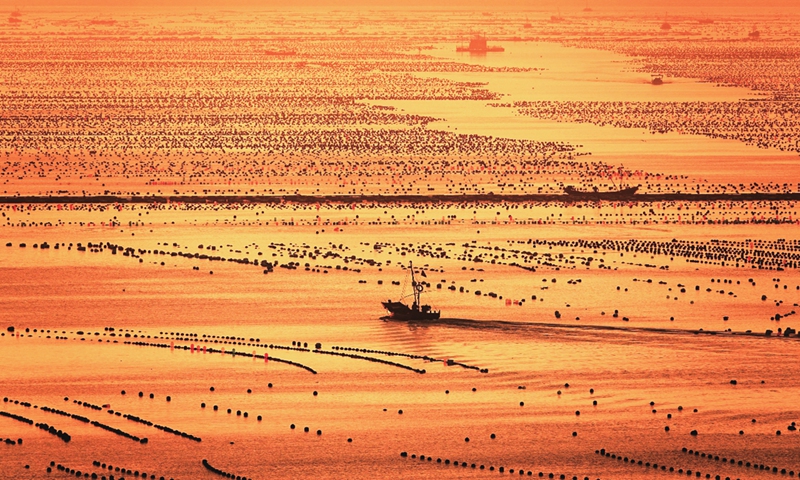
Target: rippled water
61	292
78	317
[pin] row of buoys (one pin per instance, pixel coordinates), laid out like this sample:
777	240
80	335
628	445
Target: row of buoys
232	352
740	463
239	413
126	471
308	429
85	404
303	347
71	471
491	468
732	254
10	441
407	355
171	430
16	402
655	466
54	431
74	416
14	416
119	432
372	359
218	471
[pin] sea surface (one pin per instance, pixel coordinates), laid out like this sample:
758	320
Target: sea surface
575	339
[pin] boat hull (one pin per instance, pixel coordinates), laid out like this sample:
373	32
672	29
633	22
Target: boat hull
625	194
401	311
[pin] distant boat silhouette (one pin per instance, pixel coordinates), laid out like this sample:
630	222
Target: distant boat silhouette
754	33
665	25
657	80
556	18
595	194
478	45
706	20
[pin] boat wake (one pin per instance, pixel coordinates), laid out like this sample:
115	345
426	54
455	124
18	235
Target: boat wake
507	326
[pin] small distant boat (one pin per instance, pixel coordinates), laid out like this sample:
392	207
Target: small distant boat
657	80
665	25
596	194
417	311
754	33
478	44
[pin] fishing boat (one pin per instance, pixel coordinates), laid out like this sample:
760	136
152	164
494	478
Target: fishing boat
400	311
706	20
478	44
665	25
596	194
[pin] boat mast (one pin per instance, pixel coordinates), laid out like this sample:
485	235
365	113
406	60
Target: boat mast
414	287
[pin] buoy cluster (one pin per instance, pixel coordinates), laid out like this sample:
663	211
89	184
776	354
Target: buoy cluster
56	411
740	463
77	473
491	468
308	429
136	419
664	468
126	471
119	432
87	405
225	474
17	417
16	402
11	441
54	431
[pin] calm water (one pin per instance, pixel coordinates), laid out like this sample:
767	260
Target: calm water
686	348
65	291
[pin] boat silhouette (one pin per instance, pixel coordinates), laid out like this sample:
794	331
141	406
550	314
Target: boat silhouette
478	45
400	311
595	194
665	25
